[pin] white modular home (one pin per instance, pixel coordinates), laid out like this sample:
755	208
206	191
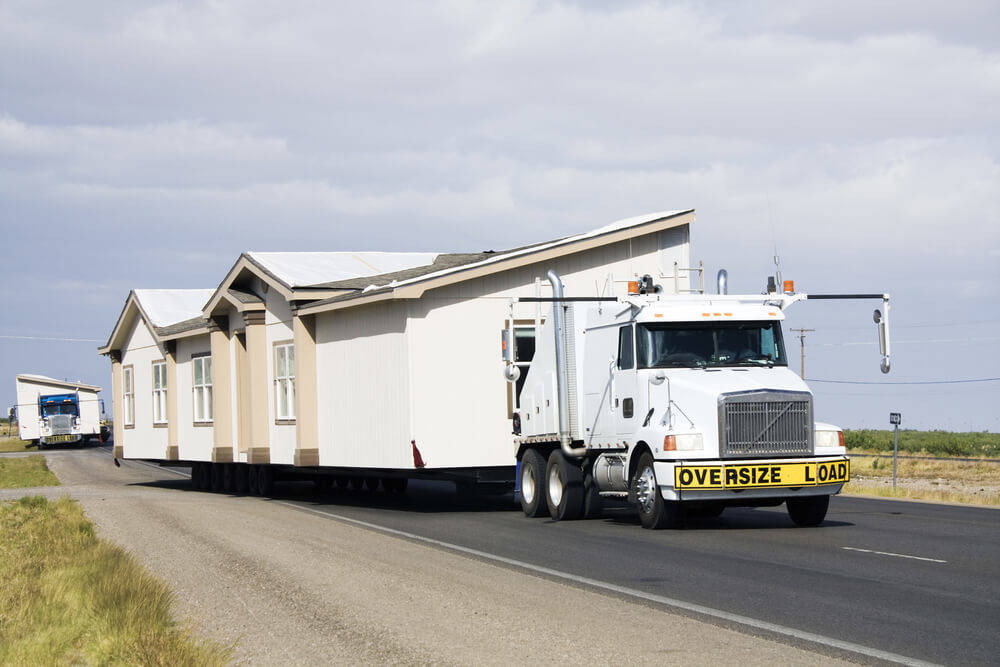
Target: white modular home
51	411
359	363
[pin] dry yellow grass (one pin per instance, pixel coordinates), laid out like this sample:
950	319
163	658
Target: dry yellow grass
942	480
25	471
68	597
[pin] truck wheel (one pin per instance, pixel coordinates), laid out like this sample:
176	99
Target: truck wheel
252	480
593	503
265	480
808	512
533	484
563	487
654	511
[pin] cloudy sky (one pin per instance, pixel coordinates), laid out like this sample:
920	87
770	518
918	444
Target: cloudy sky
147	144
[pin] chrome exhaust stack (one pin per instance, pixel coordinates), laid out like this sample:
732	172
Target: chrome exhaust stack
562	386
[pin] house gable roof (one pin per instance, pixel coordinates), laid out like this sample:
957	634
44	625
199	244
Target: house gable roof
43	379
167	313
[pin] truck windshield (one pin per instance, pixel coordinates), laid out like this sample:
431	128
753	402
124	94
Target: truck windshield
713	344
67	408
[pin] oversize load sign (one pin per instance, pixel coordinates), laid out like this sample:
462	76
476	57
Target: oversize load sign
752	476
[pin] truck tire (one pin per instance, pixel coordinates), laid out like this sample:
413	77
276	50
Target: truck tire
252	475
654	511
533	485
563	487
593	503
808	512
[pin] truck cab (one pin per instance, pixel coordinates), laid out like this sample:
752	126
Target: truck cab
681	404
59	418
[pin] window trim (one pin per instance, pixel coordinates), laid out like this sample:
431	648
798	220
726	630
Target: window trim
278	419
128	397
618	356
519	323
154	391
195	358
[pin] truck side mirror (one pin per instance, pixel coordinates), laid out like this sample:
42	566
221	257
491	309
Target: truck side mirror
882	323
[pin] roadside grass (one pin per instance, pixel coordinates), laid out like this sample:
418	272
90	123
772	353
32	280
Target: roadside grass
25	471
929	443
943	480
13	444
69	597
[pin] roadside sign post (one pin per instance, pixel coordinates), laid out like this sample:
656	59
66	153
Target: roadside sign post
895	418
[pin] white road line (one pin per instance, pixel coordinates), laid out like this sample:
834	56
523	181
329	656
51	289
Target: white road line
615	588
889	553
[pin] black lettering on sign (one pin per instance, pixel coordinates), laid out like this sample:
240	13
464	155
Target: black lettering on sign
762	475
700	474
686	476
824	473
842	471
809	477
715	476
776	475
744	476
731	474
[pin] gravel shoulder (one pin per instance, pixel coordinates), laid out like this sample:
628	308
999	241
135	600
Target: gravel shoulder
288	587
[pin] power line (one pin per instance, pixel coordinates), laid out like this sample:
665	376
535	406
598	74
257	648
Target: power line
914	382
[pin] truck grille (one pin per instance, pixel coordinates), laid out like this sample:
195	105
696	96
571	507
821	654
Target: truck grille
61	424
765	423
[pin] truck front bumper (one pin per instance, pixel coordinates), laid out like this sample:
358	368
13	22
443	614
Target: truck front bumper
751	478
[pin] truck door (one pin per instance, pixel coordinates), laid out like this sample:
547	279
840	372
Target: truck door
624	384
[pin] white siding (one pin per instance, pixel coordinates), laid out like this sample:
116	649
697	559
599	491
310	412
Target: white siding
195	442
142	441
363	386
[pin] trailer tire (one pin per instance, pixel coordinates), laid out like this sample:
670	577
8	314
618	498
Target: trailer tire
229	477
357	483
371	484
218	483
395	486
242	477
808	512
342	483
265	480
253	473
533	501
563	487
654	511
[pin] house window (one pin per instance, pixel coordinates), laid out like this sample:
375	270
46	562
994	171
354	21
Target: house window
159	392
202	383
128	397
284	381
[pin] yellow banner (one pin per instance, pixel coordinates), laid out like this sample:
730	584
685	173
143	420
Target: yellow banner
758	475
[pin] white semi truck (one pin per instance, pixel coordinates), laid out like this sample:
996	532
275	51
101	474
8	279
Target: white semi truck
682	405
51	411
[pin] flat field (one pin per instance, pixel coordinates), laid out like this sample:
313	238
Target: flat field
18	472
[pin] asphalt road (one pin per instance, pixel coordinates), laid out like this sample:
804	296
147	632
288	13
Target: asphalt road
918	580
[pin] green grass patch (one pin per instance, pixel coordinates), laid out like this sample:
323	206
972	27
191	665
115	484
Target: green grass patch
931	443
69	597
22	471
14	444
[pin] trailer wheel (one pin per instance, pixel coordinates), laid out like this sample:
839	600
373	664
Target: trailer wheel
808	512
265	480
218	483
241	475
253	475
654	511
533	485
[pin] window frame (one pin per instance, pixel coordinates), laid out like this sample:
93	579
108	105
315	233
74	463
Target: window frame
289	378
207	387
159	394
631	351
513	404
128	396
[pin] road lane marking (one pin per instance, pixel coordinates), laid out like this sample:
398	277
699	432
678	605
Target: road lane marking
889	553
739	619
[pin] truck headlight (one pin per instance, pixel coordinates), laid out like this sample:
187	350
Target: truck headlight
829	439
685	442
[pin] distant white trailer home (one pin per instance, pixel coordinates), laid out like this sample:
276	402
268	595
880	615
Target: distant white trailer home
366	365
53	411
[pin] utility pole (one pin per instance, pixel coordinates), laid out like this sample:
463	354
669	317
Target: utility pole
802	344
